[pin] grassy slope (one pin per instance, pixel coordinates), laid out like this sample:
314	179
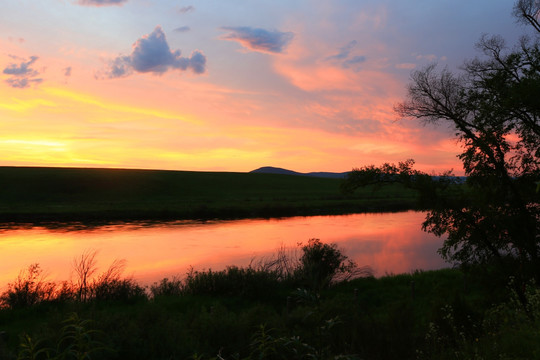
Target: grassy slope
114	194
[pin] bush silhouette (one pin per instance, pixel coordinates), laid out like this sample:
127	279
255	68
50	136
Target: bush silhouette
321	264
30	288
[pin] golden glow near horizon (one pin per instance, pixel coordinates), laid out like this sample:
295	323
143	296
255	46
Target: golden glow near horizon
84	99
152	86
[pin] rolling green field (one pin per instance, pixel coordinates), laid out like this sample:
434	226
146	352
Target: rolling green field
77	194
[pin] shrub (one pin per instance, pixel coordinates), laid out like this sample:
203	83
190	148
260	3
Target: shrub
123	290
84	267
283	264
30	288
110	286
319	265
234	280
167	287
322	264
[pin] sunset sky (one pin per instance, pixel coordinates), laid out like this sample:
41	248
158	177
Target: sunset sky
229	85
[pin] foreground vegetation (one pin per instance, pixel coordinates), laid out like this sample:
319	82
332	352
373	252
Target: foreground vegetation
69	194
317	305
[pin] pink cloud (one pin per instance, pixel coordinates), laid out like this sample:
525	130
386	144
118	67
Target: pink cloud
101	2
407	66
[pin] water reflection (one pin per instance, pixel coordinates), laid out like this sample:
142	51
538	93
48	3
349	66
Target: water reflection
388	242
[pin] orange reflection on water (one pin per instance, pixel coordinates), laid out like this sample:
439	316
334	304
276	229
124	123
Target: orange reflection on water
389	243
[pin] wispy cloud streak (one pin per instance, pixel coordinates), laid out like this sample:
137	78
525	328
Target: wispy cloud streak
101	2
186	9
22	75
343	51
344	57
182	29
257	39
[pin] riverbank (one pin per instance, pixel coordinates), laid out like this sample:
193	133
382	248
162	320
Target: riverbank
242	314
30	194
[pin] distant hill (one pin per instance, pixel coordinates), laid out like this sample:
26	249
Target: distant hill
332	175
275	170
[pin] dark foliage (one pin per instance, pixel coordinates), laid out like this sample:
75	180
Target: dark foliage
30	288
233	281
321	264
492	105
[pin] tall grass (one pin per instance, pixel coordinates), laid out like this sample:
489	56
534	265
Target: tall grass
301	303
75	340
316	268
30	288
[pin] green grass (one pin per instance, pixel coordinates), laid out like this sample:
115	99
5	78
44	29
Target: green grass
271	310
368	317
30	194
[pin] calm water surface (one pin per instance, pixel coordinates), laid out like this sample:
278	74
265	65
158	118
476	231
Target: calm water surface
388	242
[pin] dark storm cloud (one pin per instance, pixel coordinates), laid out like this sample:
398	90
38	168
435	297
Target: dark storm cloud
21	74
182	29
257	39
151	54
101	2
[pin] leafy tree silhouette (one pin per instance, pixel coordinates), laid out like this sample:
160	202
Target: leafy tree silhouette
493	105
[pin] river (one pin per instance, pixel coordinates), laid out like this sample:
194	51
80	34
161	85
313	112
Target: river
387	242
